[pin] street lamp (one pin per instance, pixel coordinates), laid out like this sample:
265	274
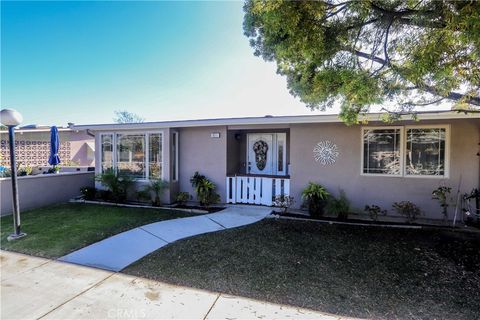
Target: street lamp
12	118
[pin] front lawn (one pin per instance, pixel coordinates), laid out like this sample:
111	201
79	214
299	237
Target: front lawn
57	230
355	271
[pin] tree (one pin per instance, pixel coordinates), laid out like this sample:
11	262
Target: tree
127	117
406	53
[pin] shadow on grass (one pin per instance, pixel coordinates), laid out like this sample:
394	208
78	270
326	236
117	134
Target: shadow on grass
344	270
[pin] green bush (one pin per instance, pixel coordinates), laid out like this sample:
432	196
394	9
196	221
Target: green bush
205	190
339	206
117	185
88	193
154	191
407	209
315	197
182	198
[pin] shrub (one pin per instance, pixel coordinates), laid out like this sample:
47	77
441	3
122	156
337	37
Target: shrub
88	193
374	211
284	202
182	198
153	191
205	190
315	197
339	206
407	209
441	194
117	184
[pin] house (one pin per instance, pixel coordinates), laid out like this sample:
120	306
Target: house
32	145
252	159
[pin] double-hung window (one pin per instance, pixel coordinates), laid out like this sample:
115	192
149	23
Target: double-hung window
408	152
138	155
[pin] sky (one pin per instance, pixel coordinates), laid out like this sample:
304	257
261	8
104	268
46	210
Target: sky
80	61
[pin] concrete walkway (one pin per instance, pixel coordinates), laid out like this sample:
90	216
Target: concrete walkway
117	252
36	288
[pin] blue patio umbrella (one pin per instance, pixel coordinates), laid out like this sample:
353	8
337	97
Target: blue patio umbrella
54	146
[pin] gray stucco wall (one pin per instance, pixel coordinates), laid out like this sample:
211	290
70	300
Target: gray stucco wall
202	153
41	190
380	190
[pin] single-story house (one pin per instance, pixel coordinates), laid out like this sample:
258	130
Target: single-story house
255	158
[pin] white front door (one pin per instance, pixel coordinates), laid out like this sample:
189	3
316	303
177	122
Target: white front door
260	153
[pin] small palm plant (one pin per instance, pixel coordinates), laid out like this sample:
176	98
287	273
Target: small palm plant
117	184
205	190
315	197
154	191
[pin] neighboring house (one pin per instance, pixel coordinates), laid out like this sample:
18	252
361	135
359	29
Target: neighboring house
252	159
32	145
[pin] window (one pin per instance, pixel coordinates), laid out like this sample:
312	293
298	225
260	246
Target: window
106	151
139	155
381	151
131	155
425	151
175	155
422	149
155	155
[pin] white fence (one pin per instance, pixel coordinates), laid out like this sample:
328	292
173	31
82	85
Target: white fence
256	190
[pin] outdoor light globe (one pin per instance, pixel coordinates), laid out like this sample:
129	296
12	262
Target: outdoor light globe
10	117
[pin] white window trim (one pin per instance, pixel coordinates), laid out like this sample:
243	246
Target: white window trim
146	134
175	172
403	148
446	174
400	146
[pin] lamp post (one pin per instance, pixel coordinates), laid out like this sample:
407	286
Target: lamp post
12	118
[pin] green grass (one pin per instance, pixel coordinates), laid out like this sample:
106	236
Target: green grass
355	271
57	230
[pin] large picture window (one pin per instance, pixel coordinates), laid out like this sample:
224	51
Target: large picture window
422	149
381	151
425	151
138	155
131	155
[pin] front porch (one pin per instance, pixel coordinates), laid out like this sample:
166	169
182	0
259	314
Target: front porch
257	165
256	189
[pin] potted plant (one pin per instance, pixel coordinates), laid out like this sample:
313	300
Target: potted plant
315	197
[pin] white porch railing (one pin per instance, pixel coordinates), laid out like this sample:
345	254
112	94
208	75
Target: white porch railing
256	189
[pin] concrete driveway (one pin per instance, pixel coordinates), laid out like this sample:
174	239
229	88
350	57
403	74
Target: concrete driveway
36	288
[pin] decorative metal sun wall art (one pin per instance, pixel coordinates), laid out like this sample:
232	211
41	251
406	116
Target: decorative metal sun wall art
260	148
325	152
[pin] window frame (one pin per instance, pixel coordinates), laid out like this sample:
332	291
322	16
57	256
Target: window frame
146	135
175	156
403	148
446	174
401	128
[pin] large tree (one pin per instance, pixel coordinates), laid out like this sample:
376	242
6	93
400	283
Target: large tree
400	53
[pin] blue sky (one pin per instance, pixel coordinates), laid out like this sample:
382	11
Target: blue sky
79	61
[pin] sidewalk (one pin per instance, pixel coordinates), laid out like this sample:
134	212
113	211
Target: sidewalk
119	251
36	288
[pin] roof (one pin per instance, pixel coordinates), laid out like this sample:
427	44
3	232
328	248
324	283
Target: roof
328	118
38	129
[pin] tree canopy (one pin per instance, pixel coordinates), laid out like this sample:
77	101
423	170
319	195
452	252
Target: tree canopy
127	117
400	53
